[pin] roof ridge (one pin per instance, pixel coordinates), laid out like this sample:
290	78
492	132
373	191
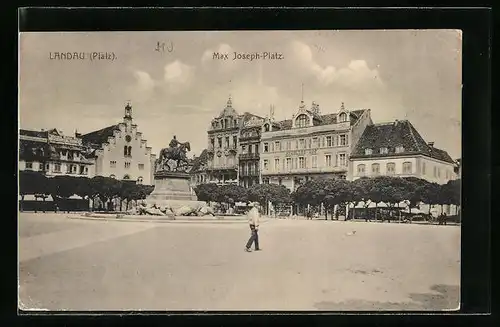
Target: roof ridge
413	135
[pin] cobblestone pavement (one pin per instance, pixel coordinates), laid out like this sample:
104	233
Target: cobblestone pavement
68	264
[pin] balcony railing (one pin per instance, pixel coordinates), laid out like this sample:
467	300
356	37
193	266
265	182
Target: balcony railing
335	169
248	156
249	173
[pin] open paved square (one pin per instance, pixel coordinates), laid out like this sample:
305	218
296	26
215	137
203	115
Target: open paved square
71	264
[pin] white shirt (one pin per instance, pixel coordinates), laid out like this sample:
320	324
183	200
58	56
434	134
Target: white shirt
253	217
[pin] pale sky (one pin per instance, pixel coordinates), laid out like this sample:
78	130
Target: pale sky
413	74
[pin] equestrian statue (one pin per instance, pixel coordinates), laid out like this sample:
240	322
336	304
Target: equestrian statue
177	152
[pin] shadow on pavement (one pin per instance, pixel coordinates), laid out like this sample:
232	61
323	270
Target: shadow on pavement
446	298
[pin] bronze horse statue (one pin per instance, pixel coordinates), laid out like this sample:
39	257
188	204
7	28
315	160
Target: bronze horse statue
178	154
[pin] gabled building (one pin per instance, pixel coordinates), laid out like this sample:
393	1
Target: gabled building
248	153
397	149
222	165
121	151
310	145
198	169
53	154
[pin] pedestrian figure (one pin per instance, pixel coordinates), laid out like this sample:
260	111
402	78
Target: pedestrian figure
253	220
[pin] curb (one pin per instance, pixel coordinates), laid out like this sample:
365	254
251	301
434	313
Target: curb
160	220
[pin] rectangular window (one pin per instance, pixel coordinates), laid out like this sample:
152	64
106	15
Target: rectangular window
266	164
219	142
243	149
328	141
276	164
302	162
301	144
314	163
361	170
141	166
266	147
235	141
29	165
127	165
343	140
375	169
277	146
112	164
288	164
315	142
407	168
391	168
342	160
288	145
212	142
57	167
423	168
439	172
227	141
295	163
328	160
309	143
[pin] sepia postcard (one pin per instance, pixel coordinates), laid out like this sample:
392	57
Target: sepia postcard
314	170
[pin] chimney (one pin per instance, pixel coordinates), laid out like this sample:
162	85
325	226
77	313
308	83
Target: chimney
396	122
431	144
77	135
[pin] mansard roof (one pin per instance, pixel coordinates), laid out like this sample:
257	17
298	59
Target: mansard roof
392	135
41	134
326	119
100	136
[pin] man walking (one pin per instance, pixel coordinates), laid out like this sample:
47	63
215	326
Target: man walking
253	221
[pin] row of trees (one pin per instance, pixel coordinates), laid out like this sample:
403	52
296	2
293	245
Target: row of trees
330	192
63	187
230	194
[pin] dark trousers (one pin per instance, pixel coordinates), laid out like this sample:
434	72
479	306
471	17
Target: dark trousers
253	238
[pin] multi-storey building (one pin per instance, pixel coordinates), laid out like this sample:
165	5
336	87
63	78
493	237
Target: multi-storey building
310	145
249	144
121	152
397	149
54	154
222	165
198	169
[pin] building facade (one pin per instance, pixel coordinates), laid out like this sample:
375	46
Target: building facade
310	145
222	164
54	154
397	149
121	151
198	170
248	154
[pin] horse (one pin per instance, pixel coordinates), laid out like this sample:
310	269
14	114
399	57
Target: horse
177	154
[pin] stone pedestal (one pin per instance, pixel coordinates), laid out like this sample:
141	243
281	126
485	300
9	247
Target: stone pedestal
172	190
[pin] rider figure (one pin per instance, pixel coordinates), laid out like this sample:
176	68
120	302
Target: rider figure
174	143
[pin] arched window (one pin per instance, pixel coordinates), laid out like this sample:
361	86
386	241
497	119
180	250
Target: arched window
361	169
302	121
112	176
129	151
139	180
375	169
391	168
342	117
266	127
126	177
125	150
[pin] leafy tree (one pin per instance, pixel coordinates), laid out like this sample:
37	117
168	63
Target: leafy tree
430	194
265	193
449	193
206	192
105	188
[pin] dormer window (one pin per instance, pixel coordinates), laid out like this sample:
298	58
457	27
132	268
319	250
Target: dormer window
302	121
266	127
368	151
384	150
399	149
342	117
